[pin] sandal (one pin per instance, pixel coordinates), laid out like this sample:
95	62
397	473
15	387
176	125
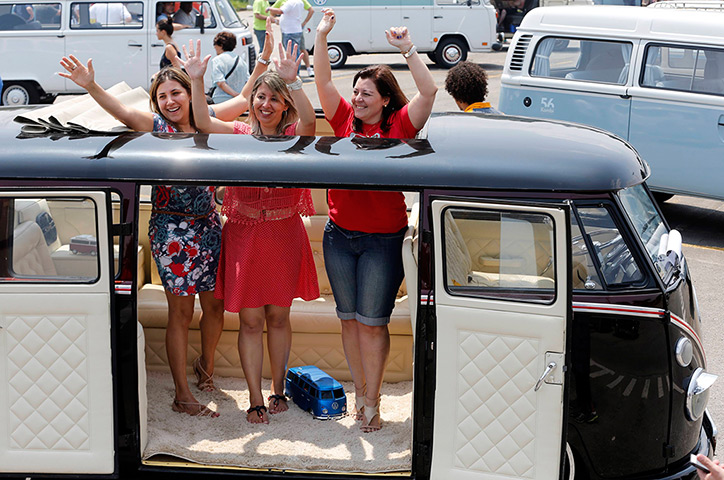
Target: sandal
204	381
274	400
373	412
359	403
202	410
260	411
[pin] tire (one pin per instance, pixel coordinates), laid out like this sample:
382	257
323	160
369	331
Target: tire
20	93
337	55
450	52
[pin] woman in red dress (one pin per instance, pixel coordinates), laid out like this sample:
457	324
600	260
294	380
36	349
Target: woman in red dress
266	260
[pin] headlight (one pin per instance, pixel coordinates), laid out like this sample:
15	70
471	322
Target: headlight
684	351
697	396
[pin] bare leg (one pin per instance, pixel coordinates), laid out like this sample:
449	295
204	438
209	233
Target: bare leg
375	343
279	342
305	58
180	314
251	353
211	324
351	345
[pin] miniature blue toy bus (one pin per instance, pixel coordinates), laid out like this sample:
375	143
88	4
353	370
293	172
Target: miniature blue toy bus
314	391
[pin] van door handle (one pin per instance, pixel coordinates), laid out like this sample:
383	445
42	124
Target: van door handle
405	18
721	121
157	44
548	371
61	36
437	16
134	44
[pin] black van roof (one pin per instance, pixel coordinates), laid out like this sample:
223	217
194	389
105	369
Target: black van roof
461	151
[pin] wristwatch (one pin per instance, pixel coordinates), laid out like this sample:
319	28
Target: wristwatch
295	85
262	61
409	53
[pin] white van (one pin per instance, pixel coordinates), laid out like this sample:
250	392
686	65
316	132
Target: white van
34	36
653	76
444	29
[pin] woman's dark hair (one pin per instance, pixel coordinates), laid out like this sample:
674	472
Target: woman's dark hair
165	25
387	86
171	73
467	82
226	40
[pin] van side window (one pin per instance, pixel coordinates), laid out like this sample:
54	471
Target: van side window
696	70
499	254
611	255
582	60
177	14
30	16
86	15
53	240
585	275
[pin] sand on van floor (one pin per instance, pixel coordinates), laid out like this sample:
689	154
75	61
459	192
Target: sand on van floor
292	440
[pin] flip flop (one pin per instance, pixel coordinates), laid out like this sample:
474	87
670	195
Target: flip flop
275	400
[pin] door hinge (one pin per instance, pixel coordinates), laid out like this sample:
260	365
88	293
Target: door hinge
669	451
121	229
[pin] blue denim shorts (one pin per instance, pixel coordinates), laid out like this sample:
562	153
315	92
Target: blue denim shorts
365	271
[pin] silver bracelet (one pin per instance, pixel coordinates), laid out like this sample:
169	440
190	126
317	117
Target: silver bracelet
409	53
295	85
262	61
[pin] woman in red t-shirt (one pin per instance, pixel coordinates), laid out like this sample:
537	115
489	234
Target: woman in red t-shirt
363	238
266	260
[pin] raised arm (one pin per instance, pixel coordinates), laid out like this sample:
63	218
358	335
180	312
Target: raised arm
310	12
287	67
421	104
196	67
84	77
231	109
328	94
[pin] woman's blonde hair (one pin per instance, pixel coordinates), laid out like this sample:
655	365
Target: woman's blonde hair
171	73
277	85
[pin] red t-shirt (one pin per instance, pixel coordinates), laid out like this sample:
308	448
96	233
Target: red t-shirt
364	210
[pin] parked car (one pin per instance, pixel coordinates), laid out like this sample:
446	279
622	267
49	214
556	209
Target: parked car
121	49
548	327
652	76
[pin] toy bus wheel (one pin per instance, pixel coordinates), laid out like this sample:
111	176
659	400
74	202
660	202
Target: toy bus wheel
94	253
450	52
73	251
337	55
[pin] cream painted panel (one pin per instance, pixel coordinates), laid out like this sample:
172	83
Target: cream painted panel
489	422
56	403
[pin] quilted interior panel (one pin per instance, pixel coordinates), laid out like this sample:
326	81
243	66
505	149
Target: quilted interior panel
48	392
496	422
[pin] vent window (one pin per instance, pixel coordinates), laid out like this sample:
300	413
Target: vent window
516	62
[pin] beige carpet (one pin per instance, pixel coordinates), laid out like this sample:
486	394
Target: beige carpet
292	440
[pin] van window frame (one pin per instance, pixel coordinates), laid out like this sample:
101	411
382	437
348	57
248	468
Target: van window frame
90	26
43	26
694	78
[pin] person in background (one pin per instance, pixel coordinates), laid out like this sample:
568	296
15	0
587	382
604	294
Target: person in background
186	14
467	83
167	11
260	16
363	238
267	260
184	231
292	23
24	11
229	72
164	31
109	13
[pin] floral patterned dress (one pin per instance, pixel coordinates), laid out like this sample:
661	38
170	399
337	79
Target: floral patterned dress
185	234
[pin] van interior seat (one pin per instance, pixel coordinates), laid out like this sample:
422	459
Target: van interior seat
713	81
30	252
316	338
605	63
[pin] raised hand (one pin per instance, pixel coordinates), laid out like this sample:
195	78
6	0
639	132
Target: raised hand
399	37
327	22
194	65
77	72
288	63
268	40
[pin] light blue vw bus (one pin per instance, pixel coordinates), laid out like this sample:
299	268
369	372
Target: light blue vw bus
652	76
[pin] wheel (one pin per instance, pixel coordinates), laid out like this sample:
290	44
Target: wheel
20	93
450	52
337	55
497	46
74	251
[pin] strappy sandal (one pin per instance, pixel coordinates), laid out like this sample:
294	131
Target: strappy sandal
202	410
274	399
260	411
204	381
372	411
359	404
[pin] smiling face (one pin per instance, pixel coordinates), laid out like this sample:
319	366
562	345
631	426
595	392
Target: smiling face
174	102
367	101
268	107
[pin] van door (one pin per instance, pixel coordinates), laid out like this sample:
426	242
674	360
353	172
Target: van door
419	19
114	35
579	80
384	15
502	295
677	118
56	380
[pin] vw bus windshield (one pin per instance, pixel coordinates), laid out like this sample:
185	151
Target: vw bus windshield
645	217
228	15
